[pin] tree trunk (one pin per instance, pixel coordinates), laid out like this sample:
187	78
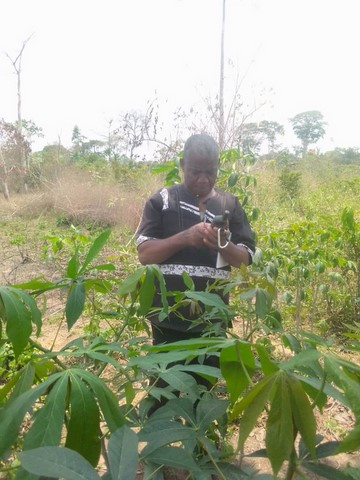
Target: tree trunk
221	90
23	160
3	181
5	189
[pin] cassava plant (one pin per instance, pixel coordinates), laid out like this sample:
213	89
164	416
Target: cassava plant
60	408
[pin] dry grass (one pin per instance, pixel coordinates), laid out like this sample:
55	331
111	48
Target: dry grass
75	197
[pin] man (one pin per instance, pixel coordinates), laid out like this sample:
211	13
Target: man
176	233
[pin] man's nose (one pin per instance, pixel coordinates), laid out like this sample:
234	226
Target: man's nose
202	177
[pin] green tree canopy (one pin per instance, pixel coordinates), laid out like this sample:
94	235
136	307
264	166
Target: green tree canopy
308	127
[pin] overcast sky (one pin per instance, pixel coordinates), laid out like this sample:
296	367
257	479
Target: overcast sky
90	60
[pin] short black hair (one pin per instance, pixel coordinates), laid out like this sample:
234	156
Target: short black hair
203	144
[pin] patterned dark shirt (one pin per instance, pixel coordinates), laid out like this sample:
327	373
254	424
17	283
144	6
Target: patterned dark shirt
174	209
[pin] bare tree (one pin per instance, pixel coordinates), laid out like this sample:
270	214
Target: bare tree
11	143
4	173
17	64
221	90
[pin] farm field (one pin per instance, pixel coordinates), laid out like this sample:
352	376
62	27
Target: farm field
297	317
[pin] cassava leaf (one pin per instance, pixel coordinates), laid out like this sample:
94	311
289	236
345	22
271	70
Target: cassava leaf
207	298
72	267
49	420
147	290
19	311
130	283
175	457
123	454
84	422
75	303
303	414
209	409
108	402
12	415
279	426
55	462
251	407
351	442
95	248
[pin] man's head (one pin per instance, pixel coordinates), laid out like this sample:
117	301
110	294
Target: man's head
200	164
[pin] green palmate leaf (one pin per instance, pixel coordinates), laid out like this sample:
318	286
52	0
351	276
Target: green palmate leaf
235	377
291	342
319	397
108	402
72	268
207	298
160	278
130	392
350	386
267	364
326	471
84	422
182	407
19	311
351	442
251	407
163	432
56	462
103	358
248	294
213	343
48	424
123	454
180	381
188	281
279	426
12	415
200	369
348	220
75	303
9	385
95	248
147	291
327	388
209	409
302	359
25	380
34	311
109	267
98	284
303	414
233	178
175	457
36	284
233	361
130	284
262	303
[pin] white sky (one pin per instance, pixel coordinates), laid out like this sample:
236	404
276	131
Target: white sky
90	60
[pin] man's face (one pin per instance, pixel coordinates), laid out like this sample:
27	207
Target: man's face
199	174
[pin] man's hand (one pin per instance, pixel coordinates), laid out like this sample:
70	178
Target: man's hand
210	236
196	235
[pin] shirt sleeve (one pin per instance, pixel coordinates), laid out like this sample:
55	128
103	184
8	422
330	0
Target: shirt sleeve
241	232
151	220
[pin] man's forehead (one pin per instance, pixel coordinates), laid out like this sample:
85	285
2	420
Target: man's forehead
194	158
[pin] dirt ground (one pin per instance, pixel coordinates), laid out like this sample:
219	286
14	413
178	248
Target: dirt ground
18	264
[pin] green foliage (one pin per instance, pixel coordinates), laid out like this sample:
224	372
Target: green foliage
308	127
59	407
290	182
170	169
